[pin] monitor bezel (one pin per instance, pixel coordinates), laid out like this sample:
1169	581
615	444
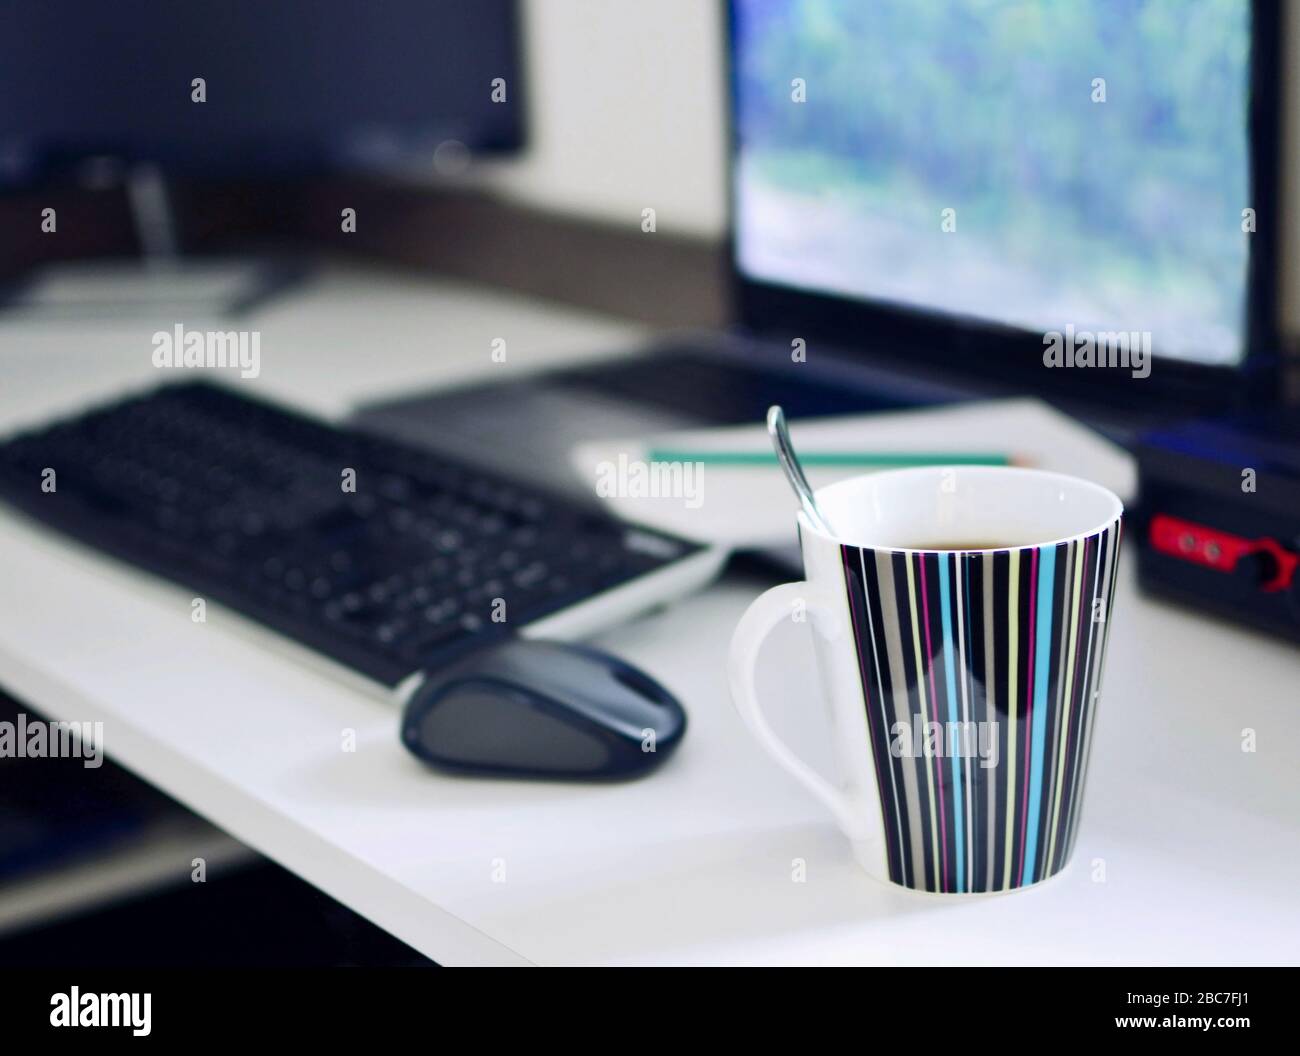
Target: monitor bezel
1010	357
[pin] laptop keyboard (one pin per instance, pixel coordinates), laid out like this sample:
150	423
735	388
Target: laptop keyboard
247	503
713	389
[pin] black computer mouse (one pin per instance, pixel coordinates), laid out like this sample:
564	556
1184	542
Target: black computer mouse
528	708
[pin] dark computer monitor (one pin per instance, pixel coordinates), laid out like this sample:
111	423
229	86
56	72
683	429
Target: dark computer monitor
143	93
953	182
289	87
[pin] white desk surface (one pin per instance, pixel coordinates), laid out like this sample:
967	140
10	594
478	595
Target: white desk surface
1189	849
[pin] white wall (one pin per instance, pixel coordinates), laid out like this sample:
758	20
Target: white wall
627	102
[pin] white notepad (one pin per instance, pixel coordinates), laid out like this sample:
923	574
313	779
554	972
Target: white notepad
752	506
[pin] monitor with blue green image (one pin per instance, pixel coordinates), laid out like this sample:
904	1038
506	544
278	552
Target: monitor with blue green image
1016	164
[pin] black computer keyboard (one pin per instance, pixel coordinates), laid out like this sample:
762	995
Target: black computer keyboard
246	503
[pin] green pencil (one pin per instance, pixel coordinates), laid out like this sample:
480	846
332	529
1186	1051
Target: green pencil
883	459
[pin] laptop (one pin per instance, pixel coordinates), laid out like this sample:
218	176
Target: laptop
927	209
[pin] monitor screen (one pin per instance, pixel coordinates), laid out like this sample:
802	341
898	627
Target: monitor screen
1031	164
251	88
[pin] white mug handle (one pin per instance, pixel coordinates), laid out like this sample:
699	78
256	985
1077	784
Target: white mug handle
766	612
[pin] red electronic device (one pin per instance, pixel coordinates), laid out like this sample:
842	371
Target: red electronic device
1218	518
1272	565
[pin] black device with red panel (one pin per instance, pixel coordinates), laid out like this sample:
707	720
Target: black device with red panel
1218	518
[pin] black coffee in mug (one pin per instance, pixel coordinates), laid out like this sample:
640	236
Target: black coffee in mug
978	545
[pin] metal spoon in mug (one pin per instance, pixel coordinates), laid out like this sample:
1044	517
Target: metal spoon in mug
794	473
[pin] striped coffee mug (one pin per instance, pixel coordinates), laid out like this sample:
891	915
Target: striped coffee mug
960	617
